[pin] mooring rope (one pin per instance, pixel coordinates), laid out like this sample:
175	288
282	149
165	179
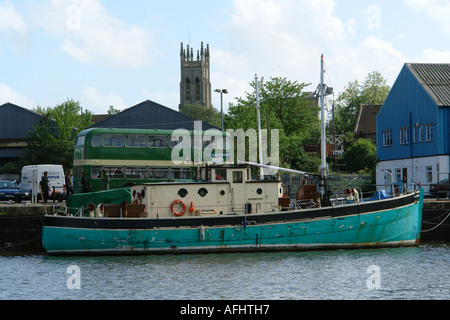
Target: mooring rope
439	224
20	244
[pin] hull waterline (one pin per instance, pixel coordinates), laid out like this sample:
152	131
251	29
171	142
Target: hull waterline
397	223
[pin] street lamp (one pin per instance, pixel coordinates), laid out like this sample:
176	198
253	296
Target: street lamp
221	91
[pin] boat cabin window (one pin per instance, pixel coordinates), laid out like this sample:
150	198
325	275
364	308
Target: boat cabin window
237	177
221	174
205	174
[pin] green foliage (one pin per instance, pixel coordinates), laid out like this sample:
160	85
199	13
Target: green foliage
286	107
112	110
373	91
361	156
52	140
206	114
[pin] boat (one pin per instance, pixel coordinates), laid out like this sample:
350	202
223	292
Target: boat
226	211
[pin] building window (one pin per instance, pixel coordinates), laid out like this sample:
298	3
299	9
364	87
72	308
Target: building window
197	89
387	138
429	172
188	89
404	139
398	174
418	133
429	132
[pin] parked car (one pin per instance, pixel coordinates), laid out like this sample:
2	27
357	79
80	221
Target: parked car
10	191
441	189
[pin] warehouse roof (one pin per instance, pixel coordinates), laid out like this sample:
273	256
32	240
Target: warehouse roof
435	78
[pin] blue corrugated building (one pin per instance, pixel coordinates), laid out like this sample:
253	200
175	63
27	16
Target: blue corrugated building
413	127
15	124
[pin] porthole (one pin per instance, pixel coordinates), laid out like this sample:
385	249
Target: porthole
222	192
259	191
182	192
202	192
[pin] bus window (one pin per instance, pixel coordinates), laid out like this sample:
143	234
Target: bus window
139	173
96	140
96	172
158	173
136	140
158	141
80	141
113	140
180	173
114	172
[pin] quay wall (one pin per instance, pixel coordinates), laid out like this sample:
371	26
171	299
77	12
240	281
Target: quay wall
21	225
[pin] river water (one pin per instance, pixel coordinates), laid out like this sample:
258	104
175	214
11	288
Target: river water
413	273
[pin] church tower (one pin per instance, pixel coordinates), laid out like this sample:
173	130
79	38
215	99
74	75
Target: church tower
195	86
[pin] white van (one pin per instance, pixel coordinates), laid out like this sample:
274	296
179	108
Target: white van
35	173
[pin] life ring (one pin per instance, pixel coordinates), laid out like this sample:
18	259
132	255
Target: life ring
178	213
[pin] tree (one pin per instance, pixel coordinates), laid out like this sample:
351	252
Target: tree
69	119
209	115
287	108
52	140
361	156
372	91
112	110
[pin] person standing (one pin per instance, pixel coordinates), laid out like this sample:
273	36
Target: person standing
105	180
45	187
85	187
69	185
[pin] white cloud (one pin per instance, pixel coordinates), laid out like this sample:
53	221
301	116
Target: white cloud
169	99
90	34
13	24
435	56
11	20
7	94
99	102
437	10
289	44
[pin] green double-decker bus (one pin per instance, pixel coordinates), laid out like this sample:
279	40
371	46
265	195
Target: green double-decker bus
131	156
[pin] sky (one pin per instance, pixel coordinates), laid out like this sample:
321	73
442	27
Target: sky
119	53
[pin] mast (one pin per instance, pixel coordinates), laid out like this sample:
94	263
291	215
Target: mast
323	168
258	112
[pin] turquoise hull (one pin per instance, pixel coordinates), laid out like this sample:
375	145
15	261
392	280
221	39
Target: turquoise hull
399	226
